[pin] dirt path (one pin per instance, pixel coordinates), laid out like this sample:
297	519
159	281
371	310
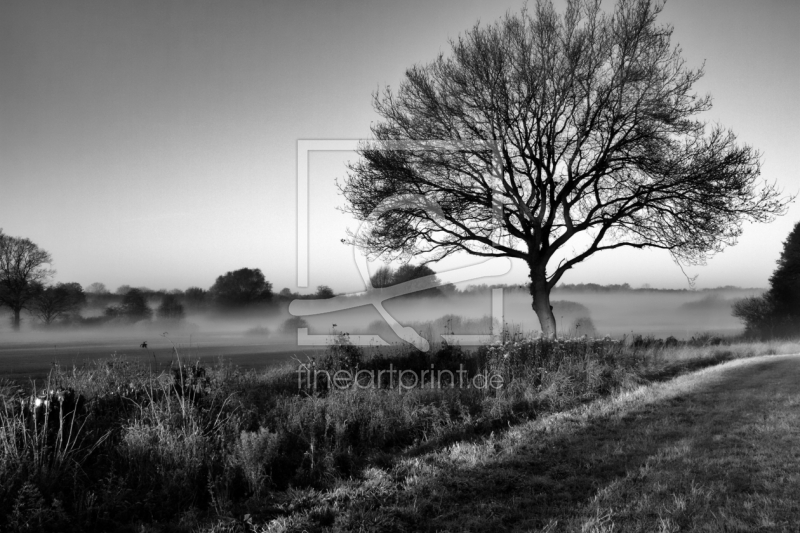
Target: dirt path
717	450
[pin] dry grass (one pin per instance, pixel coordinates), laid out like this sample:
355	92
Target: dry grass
713	451
218	449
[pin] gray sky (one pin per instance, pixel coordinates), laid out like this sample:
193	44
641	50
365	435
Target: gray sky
154	143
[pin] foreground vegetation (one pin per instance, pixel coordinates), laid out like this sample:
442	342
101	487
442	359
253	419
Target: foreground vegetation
118	446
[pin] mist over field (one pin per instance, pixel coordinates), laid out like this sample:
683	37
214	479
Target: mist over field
263	338
642	312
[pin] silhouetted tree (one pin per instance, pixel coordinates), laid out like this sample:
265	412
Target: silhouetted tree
323	291
386	277
170	308
241	288
122	290
134	306
382	277
96	288
22	273
290	325
585	137
784	292
287	294
758	315
777	312
423	277
195	297
58	301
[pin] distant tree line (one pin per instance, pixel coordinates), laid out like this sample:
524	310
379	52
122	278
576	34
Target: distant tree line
25	287
25	272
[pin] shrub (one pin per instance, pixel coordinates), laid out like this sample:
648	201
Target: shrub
255	452
290	326
260	331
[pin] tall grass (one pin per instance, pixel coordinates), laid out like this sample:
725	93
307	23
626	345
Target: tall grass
191	444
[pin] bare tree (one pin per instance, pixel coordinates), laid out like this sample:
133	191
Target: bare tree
382	277
22	273
97	288
57	301
573	134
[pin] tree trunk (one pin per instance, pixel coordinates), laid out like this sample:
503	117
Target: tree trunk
541	302
15	321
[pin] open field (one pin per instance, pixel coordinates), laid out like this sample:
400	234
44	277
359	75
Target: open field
30	354
33	360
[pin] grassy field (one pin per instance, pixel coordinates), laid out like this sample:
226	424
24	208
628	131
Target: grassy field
716	450
583	436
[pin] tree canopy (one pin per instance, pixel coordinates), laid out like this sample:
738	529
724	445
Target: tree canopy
58	301
241	288
134	306
170	308
424	277
549	137
22	274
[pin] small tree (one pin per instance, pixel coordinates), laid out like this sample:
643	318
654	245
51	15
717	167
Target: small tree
170	308
58	301
382	277
241	288
122	290
570	134
386	277
287	294
290	325
22	274
134	306
758	315
195	297
324	292
96	288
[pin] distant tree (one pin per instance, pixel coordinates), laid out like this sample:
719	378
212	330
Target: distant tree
241	288
122	290
22	274
429	286
382	277
290	325
170	308
96	288
573	133
324	292
287	294
385	276
134	306
195	297
58	301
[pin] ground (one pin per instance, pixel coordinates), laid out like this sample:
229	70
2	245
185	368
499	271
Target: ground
715	450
